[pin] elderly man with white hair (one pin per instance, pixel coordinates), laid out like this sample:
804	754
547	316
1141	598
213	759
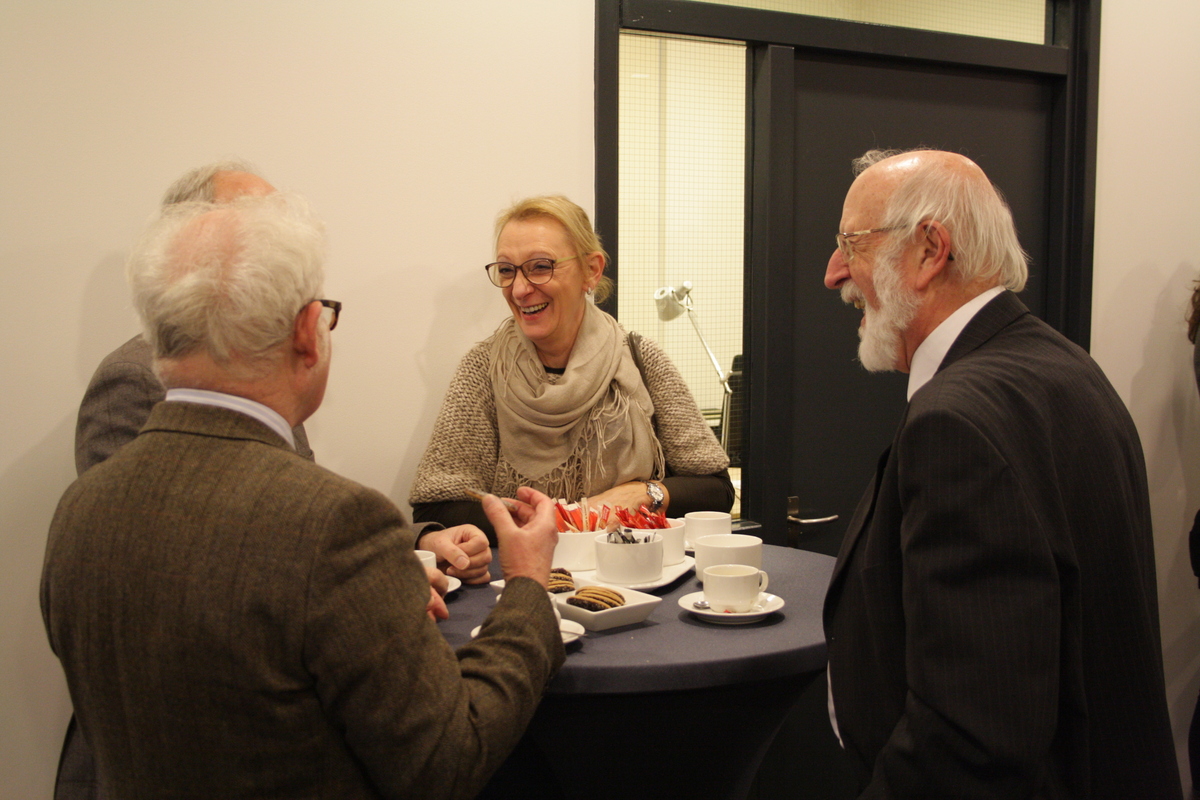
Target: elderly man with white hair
992	620
235	621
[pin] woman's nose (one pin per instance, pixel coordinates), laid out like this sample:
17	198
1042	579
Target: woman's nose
521	285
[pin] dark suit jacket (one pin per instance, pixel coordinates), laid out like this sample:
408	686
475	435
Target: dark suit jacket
992	620
117	403
235	621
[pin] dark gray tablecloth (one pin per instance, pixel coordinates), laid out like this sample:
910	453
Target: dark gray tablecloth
631	711
675	650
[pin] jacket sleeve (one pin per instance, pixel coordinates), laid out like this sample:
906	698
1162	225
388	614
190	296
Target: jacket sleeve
982	608
465	445
114	408
422	719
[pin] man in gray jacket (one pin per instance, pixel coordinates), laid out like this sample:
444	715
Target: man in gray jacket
236	621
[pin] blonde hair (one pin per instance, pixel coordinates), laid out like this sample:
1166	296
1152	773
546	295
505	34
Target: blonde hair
574	221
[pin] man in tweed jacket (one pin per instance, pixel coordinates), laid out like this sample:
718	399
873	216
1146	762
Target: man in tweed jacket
992	620
236	621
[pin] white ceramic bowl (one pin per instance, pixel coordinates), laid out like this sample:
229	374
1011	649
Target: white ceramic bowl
575	551
622	563
673	540
638	606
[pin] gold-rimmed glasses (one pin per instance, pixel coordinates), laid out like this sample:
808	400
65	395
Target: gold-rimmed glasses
843	242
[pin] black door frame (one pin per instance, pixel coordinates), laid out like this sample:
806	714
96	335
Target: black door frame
1070	65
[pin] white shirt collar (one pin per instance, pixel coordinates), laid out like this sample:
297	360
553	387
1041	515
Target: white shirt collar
251	408
930	353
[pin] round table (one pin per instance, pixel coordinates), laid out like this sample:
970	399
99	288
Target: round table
671	707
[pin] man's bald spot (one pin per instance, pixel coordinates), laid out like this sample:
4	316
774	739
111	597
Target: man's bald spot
229	186
206	242
895	169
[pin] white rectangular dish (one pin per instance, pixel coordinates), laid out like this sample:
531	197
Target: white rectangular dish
638	606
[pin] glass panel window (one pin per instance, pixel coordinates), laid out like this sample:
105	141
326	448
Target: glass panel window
681	206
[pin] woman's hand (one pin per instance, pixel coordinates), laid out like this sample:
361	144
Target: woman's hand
631	496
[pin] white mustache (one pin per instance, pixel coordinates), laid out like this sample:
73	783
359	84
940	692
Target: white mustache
851	295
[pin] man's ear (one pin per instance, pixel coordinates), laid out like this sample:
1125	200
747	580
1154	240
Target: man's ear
306	333
935	253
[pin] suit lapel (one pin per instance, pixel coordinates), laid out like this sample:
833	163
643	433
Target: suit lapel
858	523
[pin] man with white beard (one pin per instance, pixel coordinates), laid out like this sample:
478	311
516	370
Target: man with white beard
992	620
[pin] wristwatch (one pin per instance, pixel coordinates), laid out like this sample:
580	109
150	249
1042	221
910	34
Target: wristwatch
656	495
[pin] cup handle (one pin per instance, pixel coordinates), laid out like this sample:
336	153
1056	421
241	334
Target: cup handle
762	584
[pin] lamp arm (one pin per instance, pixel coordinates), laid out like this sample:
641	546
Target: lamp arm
716	364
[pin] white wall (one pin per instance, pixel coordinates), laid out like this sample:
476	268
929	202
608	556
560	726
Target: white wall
1147	255
408	125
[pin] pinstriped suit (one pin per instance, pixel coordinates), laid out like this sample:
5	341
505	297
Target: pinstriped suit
992	620
235	621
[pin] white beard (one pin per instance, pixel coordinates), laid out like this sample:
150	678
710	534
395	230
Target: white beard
881	336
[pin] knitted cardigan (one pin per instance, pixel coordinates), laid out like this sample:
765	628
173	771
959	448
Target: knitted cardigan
464	450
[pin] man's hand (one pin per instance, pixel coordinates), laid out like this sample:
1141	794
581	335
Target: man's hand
526	534
436	607
462	551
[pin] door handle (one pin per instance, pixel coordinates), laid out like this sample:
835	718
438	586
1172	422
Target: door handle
813	520
793	514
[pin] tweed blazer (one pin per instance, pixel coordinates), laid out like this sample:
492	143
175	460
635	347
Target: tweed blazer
117	403
992	620
235	621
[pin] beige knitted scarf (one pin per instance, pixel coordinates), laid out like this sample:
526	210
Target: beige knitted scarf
587	430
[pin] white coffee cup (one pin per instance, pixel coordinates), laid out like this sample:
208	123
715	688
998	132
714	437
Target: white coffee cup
733	587
706	523
575	551
629	564
727	548
673	545
428	558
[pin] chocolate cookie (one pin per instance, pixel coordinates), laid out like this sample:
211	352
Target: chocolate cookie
560	581
597	598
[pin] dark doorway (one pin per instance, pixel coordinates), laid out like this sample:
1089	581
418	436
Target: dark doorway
843	416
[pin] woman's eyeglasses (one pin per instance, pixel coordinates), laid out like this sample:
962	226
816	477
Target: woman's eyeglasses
537	271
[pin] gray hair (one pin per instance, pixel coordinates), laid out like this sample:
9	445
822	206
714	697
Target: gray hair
197	184
983	236
227	280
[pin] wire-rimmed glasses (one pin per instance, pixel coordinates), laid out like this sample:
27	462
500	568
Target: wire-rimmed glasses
844	245
537	271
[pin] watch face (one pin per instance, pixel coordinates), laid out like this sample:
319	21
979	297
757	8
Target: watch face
656	493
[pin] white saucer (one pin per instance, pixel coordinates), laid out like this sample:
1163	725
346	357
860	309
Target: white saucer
454	584
569	629
767	604
669	575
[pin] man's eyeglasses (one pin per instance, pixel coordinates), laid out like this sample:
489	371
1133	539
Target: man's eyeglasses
335	306
537	271
843	242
